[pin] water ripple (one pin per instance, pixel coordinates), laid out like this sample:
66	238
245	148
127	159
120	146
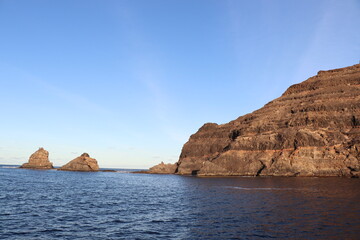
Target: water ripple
106	205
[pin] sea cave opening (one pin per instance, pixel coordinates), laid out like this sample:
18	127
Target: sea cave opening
194	172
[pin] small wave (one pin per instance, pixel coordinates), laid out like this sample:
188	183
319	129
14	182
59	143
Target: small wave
9	167
264	189
261	236
119	221
152	232
51	230
157	221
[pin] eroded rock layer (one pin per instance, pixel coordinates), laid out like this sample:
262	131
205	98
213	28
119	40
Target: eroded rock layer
83	163
313	129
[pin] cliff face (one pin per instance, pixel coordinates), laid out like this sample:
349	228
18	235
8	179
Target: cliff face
83	163
313	129
39	160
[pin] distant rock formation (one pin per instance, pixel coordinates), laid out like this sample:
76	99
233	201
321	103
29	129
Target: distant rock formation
39	160
313	129
84	163
163	168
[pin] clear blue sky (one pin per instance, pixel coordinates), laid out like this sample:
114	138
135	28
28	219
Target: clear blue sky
130	81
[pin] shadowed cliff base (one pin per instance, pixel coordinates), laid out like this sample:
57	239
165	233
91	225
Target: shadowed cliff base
313	129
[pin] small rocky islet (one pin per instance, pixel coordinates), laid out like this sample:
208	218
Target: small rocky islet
83	163
313	129
40	160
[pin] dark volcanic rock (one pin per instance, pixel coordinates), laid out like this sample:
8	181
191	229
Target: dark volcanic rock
39	160
84	163
313	129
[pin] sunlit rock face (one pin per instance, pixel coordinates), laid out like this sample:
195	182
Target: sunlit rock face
39	160
83	163
163	168
313	129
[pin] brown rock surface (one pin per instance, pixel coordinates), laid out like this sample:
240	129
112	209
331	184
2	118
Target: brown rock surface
39	160
84	163
313	129
163	168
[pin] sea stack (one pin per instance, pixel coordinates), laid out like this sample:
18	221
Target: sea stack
83	163
39	160
313	129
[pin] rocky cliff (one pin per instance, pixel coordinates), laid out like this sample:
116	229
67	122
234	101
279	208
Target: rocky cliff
83	163
39	160
313	129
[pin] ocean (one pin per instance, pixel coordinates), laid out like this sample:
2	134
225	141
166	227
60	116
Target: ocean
49	204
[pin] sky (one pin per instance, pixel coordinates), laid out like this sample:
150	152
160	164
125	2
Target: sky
128	81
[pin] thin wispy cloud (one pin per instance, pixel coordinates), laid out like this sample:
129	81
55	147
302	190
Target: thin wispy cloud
149	70
74	97
328	35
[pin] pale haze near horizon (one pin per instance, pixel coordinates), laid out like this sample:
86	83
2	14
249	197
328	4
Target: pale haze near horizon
129	81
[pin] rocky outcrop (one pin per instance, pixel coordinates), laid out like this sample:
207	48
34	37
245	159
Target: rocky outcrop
313	129
84	163
38	160
163	168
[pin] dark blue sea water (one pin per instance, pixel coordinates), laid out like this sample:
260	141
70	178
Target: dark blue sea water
111	205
